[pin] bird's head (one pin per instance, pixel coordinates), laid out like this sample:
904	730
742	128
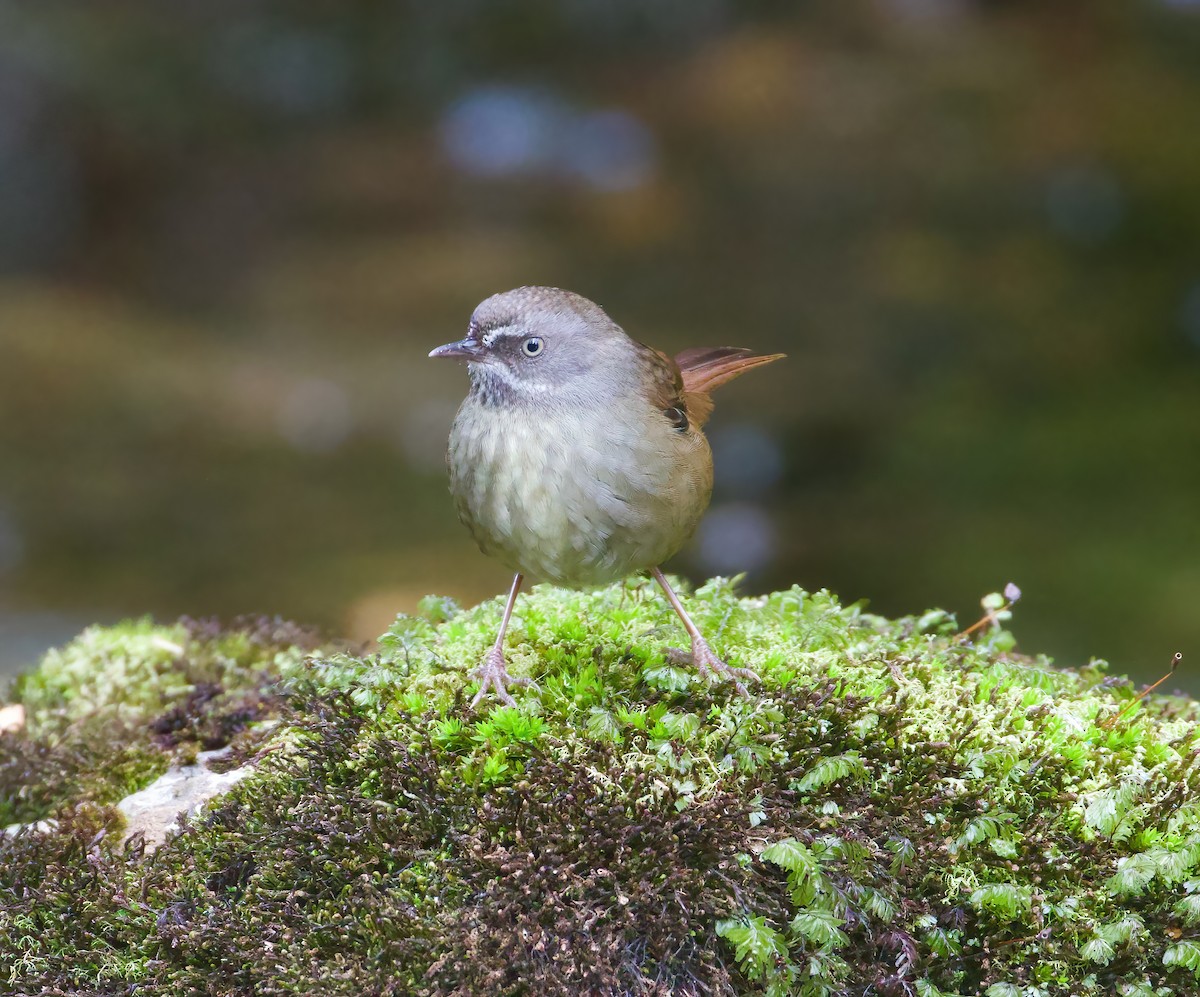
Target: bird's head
541	343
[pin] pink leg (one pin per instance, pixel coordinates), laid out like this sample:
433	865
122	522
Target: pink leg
703	658
491	673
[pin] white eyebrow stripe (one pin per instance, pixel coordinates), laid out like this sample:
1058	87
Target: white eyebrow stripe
519	384
492	335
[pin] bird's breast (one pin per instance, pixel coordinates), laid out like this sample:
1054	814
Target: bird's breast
573	497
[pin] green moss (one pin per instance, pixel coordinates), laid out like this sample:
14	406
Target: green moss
90	761
108	713
892	811
137	669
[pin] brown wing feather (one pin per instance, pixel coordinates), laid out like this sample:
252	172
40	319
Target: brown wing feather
705	368
666	380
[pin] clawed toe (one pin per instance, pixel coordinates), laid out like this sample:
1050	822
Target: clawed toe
711	667
493	676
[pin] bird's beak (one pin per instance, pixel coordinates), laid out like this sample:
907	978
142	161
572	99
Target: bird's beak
468	349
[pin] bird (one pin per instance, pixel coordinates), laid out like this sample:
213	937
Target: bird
578	455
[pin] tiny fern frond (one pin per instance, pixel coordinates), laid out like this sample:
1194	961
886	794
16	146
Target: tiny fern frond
1134	872
1106	809
880	905
1097	950
603	726
791	855
756	945
903	852
1006	901
1122	931
830	770
820	927
1185	954
1189	909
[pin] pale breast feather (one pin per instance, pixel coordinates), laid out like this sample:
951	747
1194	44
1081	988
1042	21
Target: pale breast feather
578	504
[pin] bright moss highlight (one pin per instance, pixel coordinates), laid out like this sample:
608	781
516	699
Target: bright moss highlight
891	811
109	712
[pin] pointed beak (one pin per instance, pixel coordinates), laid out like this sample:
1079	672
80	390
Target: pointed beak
464	349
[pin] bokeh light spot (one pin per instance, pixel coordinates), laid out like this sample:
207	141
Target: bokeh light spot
746	460
39	180
289	71
609	150
926	11
501	131
735	537
1084	204
497	131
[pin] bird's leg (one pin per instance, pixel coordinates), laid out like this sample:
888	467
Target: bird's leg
703	658
491	673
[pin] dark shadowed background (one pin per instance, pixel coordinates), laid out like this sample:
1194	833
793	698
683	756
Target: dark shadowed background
230	232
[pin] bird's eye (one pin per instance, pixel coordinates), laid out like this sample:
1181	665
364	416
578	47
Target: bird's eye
533	346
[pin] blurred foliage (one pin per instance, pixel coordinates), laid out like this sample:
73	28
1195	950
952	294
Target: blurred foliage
230	232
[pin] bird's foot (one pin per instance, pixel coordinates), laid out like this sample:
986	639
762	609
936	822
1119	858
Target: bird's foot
705	661
492	675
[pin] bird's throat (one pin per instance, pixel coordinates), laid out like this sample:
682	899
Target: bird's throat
495	385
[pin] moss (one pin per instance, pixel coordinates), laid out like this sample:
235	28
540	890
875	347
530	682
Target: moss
91	761
892	811
108	713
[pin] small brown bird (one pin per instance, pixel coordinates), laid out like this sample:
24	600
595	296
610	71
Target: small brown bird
578	455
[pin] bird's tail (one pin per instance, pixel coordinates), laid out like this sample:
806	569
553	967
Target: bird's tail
706	368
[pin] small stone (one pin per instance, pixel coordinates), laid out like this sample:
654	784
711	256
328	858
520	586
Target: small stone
154	811
37	827
12	718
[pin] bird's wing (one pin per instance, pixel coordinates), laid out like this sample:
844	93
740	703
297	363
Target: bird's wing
705	368
666	386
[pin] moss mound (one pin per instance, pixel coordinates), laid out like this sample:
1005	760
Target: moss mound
892	811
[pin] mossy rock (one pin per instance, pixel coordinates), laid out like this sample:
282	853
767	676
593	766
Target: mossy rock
891	811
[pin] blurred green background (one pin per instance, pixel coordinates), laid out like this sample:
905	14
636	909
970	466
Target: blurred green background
230	232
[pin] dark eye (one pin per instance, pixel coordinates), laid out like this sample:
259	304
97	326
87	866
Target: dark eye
533	346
